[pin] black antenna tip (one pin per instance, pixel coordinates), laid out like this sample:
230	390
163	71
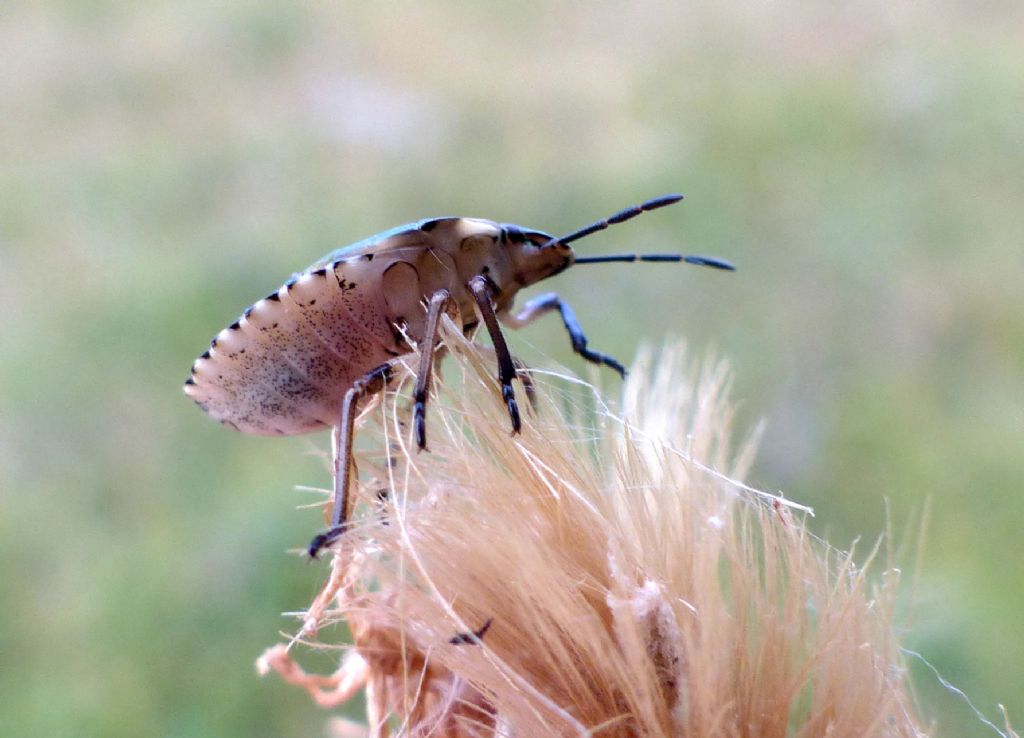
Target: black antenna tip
710	261
660	202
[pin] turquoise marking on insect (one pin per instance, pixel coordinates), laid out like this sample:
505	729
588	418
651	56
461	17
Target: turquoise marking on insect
300	359
370	242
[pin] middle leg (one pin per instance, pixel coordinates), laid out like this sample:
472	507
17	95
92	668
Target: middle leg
421	392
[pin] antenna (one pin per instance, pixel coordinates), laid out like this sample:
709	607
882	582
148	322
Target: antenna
628	214
620	217
708	261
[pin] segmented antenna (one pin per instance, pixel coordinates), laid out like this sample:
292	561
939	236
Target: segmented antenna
628	214
708	261
620	217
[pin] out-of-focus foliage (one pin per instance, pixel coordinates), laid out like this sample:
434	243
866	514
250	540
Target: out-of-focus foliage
162	165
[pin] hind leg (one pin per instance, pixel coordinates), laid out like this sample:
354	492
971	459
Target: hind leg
371	383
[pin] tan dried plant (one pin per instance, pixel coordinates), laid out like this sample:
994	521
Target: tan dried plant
600	574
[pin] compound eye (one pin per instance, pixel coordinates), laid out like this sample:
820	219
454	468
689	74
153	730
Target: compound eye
544	240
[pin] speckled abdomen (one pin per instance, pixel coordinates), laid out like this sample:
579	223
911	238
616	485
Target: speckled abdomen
284	367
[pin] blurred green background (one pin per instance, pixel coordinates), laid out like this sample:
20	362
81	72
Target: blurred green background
164	164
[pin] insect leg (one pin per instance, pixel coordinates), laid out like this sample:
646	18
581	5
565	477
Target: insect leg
421	391
482	291
522	373
372	382
472	637
546	303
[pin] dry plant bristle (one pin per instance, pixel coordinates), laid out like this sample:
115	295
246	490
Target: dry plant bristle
596	575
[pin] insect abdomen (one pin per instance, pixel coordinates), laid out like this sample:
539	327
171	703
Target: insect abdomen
285	365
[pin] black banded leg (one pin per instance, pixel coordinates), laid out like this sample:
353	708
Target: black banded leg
421	392
522	373
482	291
371	383
546	303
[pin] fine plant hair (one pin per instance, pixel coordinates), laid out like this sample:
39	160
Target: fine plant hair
601	574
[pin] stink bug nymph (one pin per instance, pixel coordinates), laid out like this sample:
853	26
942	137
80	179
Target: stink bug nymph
300	359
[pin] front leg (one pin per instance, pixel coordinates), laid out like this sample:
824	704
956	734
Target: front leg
549	302
522	372
482	290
